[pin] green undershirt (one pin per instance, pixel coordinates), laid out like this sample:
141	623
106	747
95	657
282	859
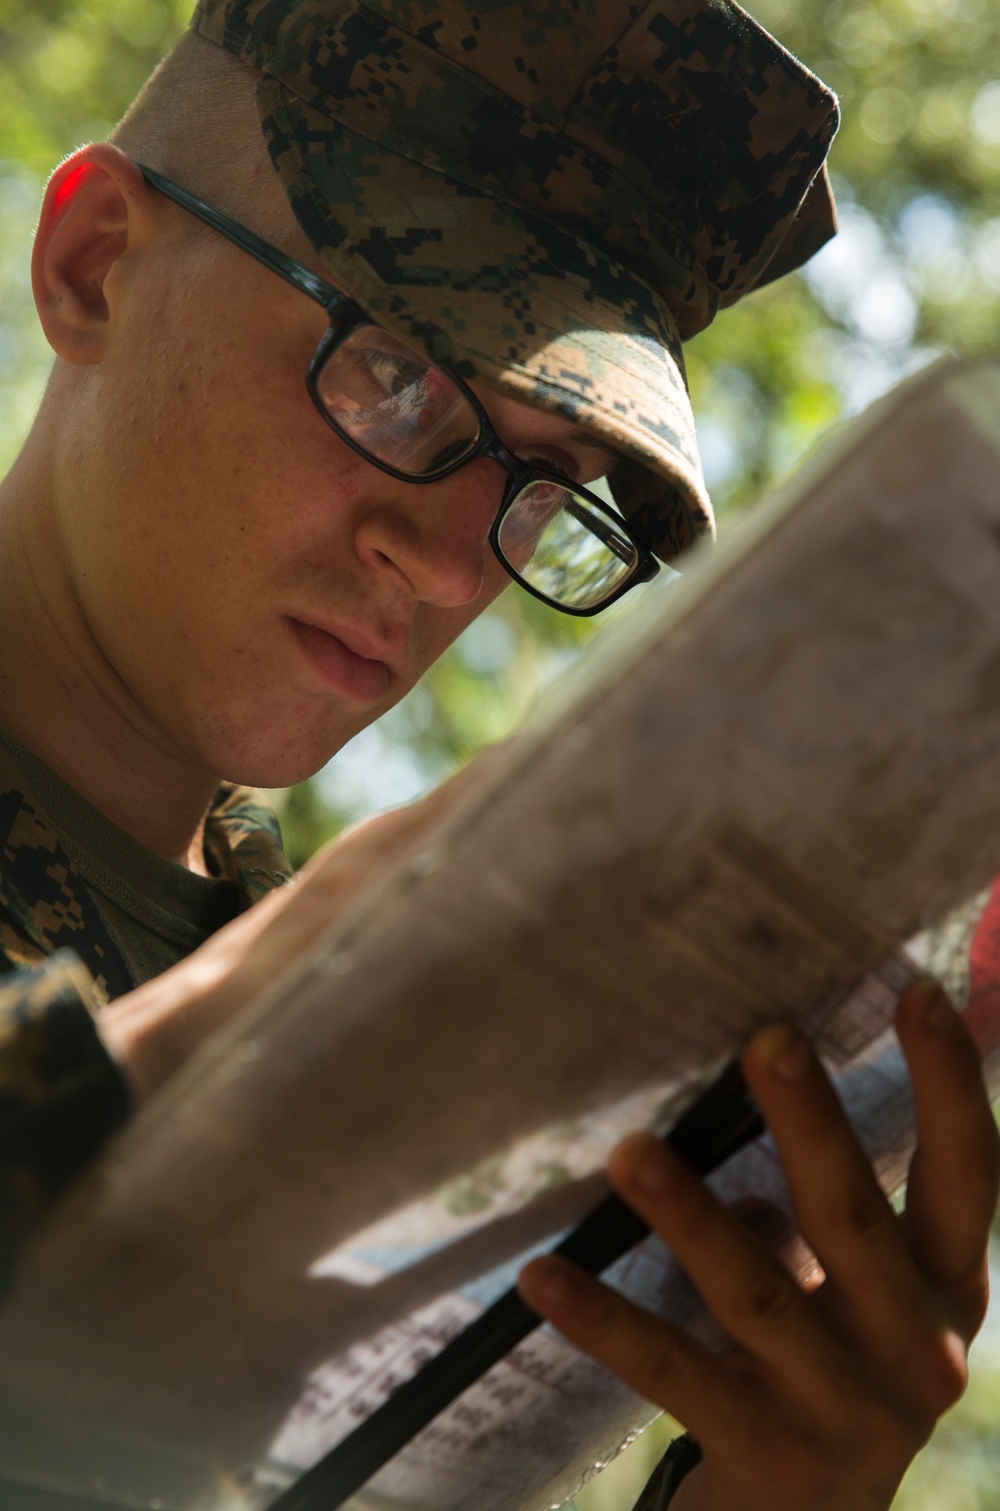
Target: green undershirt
155	910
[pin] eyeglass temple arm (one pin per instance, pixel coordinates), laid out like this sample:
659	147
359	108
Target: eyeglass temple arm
650	566
279	262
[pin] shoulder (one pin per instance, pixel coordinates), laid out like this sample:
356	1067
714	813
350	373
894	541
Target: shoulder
45	905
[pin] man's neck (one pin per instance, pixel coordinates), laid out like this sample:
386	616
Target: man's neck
64	701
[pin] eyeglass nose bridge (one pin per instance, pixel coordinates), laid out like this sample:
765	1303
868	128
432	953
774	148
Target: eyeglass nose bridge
487	444
490	446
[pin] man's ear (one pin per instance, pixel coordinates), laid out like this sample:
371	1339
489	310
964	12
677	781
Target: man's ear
96	208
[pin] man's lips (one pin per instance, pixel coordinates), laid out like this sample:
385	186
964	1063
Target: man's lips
360	679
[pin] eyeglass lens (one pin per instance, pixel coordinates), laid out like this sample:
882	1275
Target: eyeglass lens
395	405
563	547
403	411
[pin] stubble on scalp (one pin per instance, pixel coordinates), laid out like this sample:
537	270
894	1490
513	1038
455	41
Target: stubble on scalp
195	121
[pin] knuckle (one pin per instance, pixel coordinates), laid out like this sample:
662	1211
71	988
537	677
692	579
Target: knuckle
593	1318
901	1416
869	1215
659	1365
981	1169
770	1300
970	1296
944	1374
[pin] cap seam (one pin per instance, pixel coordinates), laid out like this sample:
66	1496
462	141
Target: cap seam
663	231
393	140
440	61
397	142
523	213
691	265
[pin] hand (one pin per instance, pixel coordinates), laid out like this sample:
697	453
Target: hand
152	1030
828	1392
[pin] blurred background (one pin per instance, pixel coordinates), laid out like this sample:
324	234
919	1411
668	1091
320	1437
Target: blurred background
914	272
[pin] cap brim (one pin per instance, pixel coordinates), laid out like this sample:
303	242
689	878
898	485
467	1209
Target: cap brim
504	296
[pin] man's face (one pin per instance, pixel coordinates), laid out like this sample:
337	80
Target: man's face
261	591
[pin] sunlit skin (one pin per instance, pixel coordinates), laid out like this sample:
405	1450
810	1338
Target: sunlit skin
198	579
833	1383
196	533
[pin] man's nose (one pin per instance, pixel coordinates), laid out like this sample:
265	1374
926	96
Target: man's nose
436	535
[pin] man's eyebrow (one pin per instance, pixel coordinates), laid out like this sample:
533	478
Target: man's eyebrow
586	438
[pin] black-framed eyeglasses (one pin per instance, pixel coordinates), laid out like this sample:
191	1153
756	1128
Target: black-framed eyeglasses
420	422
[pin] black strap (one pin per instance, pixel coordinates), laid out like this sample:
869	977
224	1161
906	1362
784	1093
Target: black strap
683	1455
719	1123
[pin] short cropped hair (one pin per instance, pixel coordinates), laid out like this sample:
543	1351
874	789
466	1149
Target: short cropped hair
195	120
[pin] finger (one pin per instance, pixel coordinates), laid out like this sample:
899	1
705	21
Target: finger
745	1286
772	1226
838	1203
655	1359
955	1172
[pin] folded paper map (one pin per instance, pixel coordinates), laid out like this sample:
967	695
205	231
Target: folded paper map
773	787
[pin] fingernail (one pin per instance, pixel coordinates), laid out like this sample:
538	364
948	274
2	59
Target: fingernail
931	1003
783	1050
548	1280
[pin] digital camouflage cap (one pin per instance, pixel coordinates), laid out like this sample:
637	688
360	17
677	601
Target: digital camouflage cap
548	195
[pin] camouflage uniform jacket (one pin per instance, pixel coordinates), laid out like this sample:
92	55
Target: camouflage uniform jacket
61	1093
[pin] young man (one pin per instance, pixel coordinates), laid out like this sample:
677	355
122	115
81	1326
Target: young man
483	236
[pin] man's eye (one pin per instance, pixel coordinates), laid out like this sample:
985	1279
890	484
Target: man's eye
393	376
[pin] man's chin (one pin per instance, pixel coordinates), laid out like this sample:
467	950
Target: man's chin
268	735
252	761
277	772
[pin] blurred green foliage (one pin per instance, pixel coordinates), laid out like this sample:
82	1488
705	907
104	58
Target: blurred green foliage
69	68
915	271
